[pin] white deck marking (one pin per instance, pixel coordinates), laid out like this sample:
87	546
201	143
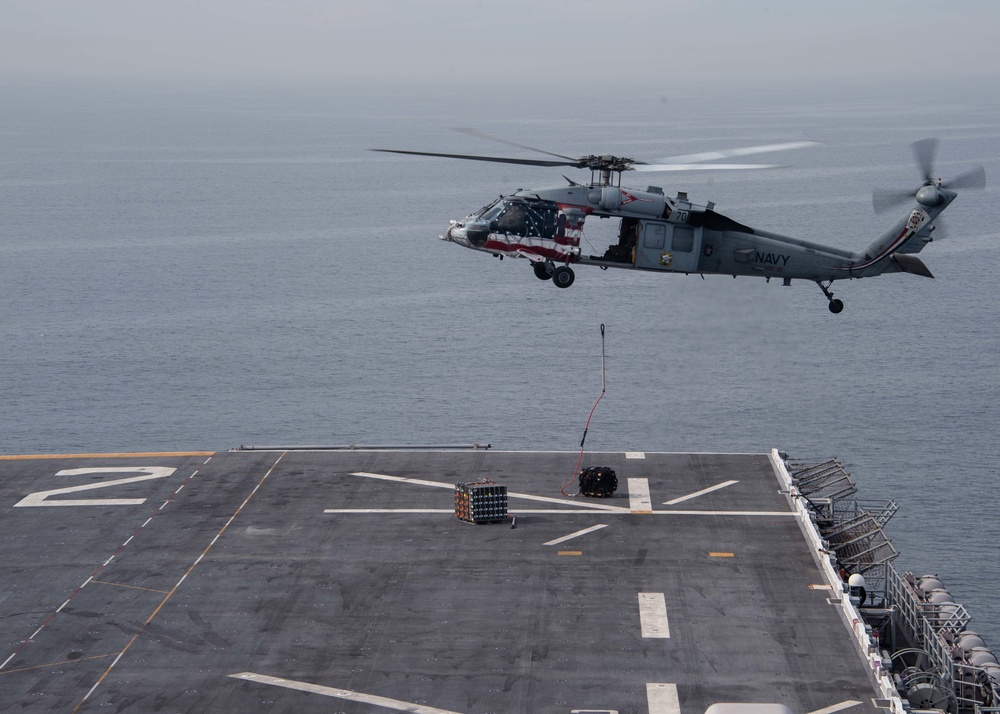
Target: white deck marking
577	534
846	704
41	498
635	455
702	492
568	512
662	698
653	615
638	496
389	510
527	496
341	694
725	513
403	479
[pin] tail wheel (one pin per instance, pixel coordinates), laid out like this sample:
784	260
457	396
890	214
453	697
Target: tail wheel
563	276
836	306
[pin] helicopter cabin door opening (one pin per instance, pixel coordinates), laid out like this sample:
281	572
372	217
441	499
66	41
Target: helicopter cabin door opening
665	246
623	250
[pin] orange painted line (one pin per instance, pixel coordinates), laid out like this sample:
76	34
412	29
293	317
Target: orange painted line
570	552
133	587
112	455
56	664
715	554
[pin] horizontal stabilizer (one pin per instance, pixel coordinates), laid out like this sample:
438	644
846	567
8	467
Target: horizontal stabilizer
911	264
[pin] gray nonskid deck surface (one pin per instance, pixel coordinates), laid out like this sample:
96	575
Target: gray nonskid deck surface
323	585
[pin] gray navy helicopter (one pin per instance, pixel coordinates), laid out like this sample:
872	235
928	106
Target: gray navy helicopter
675	235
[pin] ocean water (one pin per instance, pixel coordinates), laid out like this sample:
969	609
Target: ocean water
198	267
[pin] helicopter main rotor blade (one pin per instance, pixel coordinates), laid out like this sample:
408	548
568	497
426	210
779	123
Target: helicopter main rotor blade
974	179
700	167
496	159
727	153
925	151
483	135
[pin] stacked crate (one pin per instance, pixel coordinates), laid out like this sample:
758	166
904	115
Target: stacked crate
480	501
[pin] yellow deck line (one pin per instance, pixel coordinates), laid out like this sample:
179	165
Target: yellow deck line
112	455
132	587
56	664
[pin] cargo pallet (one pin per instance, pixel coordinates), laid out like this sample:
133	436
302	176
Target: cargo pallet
481	502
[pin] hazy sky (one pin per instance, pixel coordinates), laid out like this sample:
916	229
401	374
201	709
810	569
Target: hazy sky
575	41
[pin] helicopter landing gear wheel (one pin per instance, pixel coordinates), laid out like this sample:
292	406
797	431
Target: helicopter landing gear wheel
543	271
836	306
563	276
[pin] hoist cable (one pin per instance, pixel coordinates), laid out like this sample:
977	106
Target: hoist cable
586	427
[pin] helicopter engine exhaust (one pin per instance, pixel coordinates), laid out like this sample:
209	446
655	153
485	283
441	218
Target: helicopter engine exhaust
644	203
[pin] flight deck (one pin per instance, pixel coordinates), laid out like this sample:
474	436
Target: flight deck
342	581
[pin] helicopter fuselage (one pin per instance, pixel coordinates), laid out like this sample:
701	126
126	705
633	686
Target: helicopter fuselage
672	234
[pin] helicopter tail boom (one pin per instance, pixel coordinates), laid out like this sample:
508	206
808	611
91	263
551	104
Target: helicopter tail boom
909	235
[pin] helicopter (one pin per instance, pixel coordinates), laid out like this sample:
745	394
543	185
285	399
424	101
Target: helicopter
672	234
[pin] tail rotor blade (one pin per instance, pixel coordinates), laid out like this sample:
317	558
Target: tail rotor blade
885	199
974	179
925	151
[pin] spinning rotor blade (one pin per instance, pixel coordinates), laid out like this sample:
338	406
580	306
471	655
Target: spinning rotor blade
482	135
925	151
885	199
699	167
727	153
496	159
974	179
608	163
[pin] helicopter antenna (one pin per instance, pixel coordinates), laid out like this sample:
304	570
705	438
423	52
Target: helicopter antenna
586	427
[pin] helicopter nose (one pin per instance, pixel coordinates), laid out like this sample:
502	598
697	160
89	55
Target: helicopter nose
465	235
449	234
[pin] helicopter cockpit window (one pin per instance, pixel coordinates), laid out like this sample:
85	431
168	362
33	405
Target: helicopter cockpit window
533	220
490	212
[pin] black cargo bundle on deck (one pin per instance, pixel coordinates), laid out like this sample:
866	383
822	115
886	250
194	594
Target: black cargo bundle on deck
599	481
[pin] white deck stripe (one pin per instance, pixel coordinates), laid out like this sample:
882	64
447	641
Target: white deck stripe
846	704
638	495
702	492
662	698
653	615
635	454
341	694
403	479
568	512
527	496
577	534
389	510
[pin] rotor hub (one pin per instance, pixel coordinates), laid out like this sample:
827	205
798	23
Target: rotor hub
929	196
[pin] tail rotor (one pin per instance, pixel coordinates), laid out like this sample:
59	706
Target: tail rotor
927	194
